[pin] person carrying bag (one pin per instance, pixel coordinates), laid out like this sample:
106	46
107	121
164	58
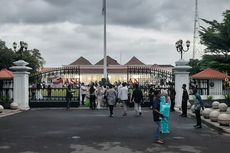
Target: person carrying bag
198	105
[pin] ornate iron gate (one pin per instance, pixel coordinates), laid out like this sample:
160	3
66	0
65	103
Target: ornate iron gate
49	87
149	75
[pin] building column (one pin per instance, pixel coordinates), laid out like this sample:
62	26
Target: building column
181	77
21	84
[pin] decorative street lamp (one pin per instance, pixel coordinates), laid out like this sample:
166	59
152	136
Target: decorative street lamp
23	47
180	48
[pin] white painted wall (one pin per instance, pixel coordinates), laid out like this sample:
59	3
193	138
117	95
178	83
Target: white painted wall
21	84
181	77
217	88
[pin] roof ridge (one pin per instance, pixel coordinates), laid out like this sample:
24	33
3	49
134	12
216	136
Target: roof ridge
81	61
134	61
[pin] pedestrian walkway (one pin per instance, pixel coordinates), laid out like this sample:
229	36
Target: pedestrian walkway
214	125
7	112
93	131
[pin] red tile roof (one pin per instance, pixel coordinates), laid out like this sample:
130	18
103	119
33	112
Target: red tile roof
6	74
110	61
210	74
81	61
134	61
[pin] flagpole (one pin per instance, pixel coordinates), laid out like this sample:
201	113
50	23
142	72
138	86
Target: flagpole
105	55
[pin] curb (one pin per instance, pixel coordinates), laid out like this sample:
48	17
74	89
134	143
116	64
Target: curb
213	125
9	112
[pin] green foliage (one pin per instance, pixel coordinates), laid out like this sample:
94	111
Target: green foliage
8	56
216	38
227	97
33	57
6	99
209	98
218	62
2	44
195	64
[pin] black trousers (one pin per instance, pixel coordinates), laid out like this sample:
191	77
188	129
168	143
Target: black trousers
68	101
184	108
198	118
111	109
172	104
92	102
82	99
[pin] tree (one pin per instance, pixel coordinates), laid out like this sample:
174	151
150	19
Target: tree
195	64
216	38
2	44
216	62
8	56
33	57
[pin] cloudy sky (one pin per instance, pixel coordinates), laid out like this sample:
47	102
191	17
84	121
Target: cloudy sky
64	30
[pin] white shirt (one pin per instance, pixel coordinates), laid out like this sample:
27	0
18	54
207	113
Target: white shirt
123	93
83	90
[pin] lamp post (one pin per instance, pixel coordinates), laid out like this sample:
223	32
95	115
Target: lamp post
23	47
180	71
180	48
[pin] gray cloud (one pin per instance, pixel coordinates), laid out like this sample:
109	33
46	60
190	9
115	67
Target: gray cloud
161	15
66	29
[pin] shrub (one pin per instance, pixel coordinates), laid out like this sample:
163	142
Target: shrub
210	98
227	97
5	101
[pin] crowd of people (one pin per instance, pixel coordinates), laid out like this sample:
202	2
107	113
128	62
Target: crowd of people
121	93
98	96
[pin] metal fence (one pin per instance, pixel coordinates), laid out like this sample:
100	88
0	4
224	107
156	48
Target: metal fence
6	88
52	97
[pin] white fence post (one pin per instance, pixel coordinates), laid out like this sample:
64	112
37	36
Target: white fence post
21	84
181	77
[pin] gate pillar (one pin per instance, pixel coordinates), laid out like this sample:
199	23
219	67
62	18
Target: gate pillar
21	84
181	77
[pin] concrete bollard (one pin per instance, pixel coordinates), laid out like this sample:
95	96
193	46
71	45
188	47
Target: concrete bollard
224	119
14	106
214	115
206	112
1	108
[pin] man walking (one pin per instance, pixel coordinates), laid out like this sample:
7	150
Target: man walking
123	96
83	91
111	95
137	97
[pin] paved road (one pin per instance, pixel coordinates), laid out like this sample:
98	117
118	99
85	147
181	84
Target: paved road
86	131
